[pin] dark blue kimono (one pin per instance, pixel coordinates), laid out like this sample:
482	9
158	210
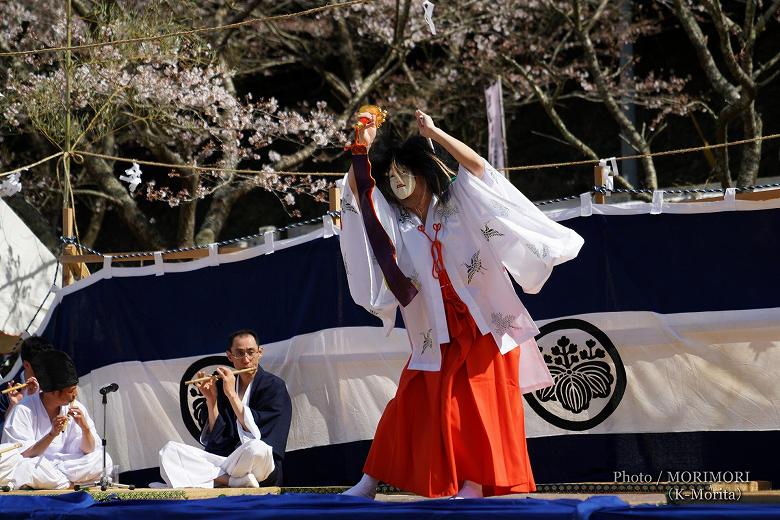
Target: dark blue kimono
271	408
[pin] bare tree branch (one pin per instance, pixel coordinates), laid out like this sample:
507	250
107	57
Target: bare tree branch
557	120
774	60
707	62
350	63
724	40
609	101
766	17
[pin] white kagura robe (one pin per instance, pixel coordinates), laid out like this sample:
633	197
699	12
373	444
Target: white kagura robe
488	228
63	463
184	466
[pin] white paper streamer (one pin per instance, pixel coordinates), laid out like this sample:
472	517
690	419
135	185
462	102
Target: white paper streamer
494	102
611	171
428	9
133	177
11	185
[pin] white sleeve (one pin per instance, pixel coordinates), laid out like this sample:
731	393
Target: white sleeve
520	236
19	428
366	281
252	432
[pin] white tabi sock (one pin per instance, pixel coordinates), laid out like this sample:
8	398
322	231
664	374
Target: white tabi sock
470	490
366	488
247	481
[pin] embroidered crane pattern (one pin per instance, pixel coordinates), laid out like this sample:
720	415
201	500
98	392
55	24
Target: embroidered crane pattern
488	232
446	210
404	217
502	323
500	209
541	254
346	206
427	341
475	266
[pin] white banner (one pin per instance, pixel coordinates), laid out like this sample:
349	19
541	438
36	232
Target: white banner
660	373
495	115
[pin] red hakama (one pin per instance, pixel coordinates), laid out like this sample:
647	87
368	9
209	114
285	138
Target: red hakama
464	422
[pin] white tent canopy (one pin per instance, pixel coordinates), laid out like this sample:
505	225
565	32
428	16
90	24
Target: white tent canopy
27	270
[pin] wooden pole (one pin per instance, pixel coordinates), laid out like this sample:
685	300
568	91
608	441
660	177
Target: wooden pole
334	203
600	179
67	231
68	215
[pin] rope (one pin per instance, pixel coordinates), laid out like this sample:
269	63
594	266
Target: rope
643	155
202	168
159	37
678	151
595	189
28	166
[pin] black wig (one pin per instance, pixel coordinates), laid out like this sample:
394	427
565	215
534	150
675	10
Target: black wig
416	155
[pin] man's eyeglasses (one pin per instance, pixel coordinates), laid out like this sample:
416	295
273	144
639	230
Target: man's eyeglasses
244	353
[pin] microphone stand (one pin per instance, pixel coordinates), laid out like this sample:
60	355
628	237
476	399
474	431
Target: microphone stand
105	481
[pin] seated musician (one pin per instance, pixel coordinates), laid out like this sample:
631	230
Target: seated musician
59	441
10	455
245	437
28	351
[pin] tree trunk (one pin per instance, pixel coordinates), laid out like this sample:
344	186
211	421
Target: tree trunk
187	212
102	172
751	152
95	224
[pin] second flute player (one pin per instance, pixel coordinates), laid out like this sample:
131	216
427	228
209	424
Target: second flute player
249	414
57	434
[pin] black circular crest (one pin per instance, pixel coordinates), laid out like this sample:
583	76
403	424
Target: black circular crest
192	402
589	378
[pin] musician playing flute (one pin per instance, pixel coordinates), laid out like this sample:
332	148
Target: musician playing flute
58	436
29	349
245	437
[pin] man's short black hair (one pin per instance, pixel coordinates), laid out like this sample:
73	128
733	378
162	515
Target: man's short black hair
33	346
238	333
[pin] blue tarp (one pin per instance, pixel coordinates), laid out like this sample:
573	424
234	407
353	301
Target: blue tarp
81	505
321	507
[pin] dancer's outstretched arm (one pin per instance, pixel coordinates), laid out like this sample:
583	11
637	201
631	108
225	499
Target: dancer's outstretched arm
459	150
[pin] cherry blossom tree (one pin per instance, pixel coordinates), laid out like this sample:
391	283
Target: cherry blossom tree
279	95
175	98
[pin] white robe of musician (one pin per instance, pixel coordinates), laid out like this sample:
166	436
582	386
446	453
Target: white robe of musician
488	229
8	462
185	466
63	463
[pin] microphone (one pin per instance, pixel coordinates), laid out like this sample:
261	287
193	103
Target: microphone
113	387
